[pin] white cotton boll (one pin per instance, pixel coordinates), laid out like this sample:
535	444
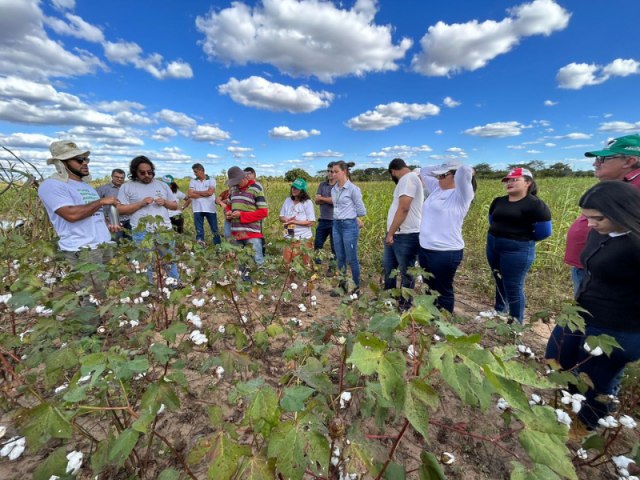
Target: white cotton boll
411	351
161	409
502	404
3	431
627	422
296	322
138	300
170	281
221	329
563	417
86	378
198	302
134	323
621	461
526	351
260	297
198	338
145	294
235	298
447	458
345	398
302	308
51	281
608	422
595	352
122	323
27	331
582	454
314	304
125	300
21	310
5	298
273	298
314	298
244	319
194	319
62	387
13	448
436	338
354	296
293	286
43	311
219	372
94	300
535	400
74	462
342	340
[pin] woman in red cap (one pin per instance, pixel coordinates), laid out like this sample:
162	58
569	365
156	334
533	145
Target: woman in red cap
516	222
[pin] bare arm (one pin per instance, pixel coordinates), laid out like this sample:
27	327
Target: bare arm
74	213
404	204
130	208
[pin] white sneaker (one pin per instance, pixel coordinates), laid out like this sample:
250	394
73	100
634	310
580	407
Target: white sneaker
488	314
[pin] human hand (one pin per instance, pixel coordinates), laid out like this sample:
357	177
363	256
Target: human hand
147	200
160	201
389	239
114	228
108	201
360	222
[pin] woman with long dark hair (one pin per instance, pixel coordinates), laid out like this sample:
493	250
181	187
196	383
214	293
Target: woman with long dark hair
609	292
516	222
348	208
297	216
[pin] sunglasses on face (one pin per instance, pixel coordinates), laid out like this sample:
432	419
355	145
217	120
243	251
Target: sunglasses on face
601	160
81	160
145	173
442	176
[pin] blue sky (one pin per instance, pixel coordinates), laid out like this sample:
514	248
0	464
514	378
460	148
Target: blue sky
279	84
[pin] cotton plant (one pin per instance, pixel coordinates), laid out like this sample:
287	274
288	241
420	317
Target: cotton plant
608	422
594	352
74	462
198	338
563	417
575	400
194	319
345	399
525	351
622	465
502	405
13	448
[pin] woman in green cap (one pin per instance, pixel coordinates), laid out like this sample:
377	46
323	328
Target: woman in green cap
297	215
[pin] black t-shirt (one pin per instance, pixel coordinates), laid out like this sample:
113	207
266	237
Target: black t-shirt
515	220
610	290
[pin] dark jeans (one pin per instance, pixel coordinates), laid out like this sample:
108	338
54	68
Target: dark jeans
177	222
345	240
324	230
212	219
125	233
402	254
510	261
604	371
442	265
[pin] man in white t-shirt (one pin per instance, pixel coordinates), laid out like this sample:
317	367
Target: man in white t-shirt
202	192
144	196
76	210
402	240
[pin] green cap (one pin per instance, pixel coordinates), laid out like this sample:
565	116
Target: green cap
168	179
627	145
300	184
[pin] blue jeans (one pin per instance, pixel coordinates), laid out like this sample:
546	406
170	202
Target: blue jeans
401	255
442	265
212	219
345	240
256	243
604	371
163	250
125	233
324	230
510	261
577	274
227	229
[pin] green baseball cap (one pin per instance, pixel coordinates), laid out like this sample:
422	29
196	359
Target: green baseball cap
168	179
300	184
627	145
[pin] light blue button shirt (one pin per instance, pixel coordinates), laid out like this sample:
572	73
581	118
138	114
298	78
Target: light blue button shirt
347	202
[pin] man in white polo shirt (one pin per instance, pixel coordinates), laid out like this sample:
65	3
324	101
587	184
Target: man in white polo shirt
202	192
402	240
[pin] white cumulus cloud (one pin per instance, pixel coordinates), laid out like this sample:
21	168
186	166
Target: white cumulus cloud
131	53
302	38
496	130
623	127
392	115
449	49
400	151
575	76
324	154
177	119
209	133
450	102
261	93
550	103
288	134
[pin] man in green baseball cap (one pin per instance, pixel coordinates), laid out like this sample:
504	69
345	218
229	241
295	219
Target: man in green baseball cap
620	160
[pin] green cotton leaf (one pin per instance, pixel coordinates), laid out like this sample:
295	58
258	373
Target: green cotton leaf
296	446
169	474
158	394
143	422
430	468
245	389
161	353
263	413
256	467
449	330
226	457
314	374
391	370
43	422
294	398
126	369
518	371
539	472
54	464
176	328
420	397
57	364
606	342
215	416
544	440
365	455
570	318
594	442
395	472
460	364
418	314
100	458
510	390
76	394
122	446
366	354
274	330
384	324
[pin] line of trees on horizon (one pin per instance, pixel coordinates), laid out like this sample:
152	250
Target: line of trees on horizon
483	170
